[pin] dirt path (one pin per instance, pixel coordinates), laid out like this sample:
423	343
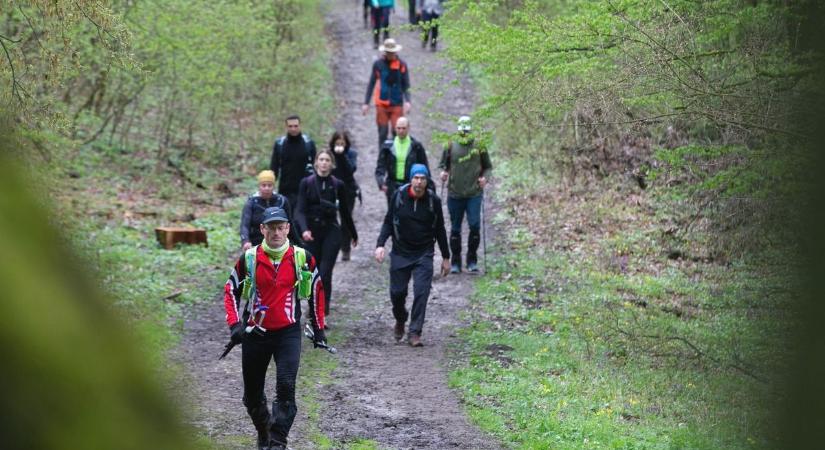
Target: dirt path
389	393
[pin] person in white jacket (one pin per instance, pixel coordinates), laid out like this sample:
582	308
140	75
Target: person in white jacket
428	13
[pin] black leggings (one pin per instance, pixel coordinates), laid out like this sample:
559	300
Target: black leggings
325	246
284	346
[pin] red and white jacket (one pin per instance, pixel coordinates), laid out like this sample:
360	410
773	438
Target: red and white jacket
275	289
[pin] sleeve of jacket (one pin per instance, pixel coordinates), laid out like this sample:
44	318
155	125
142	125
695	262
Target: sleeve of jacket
386	227
371	84
246	220
405	82
293	235
486	164
352	158
232	292
317	297
344	209
300	209
275	160
440	231
422	155
445	159
380	167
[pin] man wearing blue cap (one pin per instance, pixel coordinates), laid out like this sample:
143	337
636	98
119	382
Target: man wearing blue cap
415	222
271	280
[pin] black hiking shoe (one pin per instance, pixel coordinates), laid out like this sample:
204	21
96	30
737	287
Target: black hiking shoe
398	332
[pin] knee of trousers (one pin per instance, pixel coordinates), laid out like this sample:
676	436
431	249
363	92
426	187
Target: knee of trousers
398	296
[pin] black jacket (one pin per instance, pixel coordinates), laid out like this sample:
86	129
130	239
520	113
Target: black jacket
414	224
386	162
253	215
320	202
292	159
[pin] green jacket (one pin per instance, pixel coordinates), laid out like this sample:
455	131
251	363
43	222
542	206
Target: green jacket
466	163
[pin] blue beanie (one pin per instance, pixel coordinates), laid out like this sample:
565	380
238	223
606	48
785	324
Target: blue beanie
419	169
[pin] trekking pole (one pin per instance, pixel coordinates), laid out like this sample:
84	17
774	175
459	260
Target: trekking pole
484	233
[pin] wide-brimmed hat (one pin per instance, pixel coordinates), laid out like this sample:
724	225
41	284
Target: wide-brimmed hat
390	46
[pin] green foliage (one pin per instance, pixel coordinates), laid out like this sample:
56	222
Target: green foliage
566	354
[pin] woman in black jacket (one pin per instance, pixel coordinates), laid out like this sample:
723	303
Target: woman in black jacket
321	199
346	159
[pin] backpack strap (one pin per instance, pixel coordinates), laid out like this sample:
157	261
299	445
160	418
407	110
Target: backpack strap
249	288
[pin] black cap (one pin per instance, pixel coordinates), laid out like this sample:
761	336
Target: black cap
275	214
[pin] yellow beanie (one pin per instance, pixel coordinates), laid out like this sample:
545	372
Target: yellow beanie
266	175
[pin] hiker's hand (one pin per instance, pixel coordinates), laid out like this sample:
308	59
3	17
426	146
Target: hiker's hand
407	107
318	337
482	182
238	332
445	175
365	108
445	267
247	246
307	236
383	188
354	243
379	254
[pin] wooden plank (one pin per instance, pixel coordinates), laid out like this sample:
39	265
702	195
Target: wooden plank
169	236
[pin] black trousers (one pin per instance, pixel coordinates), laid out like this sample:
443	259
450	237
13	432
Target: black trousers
420	269
346	239
284	346
325	244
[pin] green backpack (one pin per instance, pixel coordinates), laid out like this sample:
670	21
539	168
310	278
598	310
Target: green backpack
303	282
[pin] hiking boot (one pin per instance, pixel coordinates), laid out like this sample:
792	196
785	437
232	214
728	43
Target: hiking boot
345	255
472	267
455	268
398	332
415	340
275	445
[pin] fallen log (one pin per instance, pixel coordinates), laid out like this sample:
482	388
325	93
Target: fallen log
169	236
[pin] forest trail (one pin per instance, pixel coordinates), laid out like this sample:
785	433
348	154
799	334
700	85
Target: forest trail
389	393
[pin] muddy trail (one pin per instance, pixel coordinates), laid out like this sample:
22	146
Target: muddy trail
383	391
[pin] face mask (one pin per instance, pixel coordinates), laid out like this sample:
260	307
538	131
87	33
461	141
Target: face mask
339	149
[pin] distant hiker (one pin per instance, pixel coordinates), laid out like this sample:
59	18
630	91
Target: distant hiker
292	157
396	157
412	12
415	222
265	278
466	163
367	6
429	11
346	163
253	211
389	87
321	199
381	10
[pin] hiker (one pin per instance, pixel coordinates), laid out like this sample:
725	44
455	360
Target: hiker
253	211
415	221
389	87
265	278
380	10
466	163
429	11
367	6
411	10
396	157
321	199
292	157
346	163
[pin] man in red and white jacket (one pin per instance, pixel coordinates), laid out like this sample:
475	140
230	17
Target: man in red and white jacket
272	315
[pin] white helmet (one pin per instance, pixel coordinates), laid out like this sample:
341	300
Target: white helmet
464	123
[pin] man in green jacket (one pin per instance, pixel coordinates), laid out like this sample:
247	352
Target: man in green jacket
466	164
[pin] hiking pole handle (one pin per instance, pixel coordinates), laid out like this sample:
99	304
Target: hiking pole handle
311	336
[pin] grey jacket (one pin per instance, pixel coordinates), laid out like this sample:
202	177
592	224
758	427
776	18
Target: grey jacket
430	6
